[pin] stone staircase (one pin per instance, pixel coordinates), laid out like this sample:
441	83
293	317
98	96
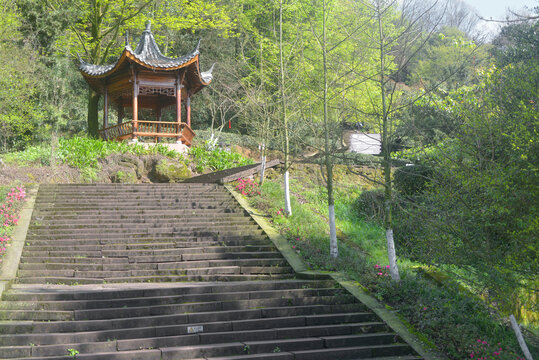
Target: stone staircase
172	271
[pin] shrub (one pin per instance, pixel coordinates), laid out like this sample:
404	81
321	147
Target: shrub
216	159
370	204
247	187
411	179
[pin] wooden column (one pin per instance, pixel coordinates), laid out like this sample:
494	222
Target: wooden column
158	119
106	109
120	111
179	79
188	108
135	105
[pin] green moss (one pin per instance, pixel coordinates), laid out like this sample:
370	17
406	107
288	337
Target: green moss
168	171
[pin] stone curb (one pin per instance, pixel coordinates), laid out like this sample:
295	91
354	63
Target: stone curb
353	287
10	265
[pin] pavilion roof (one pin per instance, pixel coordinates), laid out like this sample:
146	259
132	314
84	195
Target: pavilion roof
148	55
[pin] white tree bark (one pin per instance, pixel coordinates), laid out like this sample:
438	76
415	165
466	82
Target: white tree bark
287	206
520	338
333	248
262	162
393	269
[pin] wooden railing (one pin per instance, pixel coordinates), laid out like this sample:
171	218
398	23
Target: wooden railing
187	134
117	132
153	129
156	128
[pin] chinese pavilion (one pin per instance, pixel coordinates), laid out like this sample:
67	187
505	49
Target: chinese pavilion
145	78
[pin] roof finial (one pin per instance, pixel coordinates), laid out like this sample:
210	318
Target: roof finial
126	38
198	44
148	25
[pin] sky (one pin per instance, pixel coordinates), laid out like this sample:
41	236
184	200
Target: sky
497	9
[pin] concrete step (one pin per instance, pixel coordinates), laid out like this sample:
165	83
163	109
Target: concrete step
172	271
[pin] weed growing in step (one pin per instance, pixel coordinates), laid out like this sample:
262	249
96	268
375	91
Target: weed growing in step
9	216
72	352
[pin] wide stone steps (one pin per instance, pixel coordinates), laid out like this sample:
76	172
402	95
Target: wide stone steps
186	321
172	271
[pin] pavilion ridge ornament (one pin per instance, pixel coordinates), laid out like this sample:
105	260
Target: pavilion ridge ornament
145	78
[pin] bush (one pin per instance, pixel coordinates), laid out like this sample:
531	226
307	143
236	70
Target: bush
247	187
452	318
370	204
412	179
216	159
32	155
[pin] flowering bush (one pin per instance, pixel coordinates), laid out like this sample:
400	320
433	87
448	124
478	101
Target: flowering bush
482	350
247	187
381	270
9	215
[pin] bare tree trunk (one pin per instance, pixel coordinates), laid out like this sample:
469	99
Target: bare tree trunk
287	207
334	249
386	149
520	338
262	162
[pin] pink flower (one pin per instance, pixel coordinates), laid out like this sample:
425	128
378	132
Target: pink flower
387	266
424	308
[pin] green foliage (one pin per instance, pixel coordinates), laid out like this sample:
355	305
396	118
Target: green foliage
19	113
411	180
83	152
448	61
516	42
478	209
32	155
216	159
453	319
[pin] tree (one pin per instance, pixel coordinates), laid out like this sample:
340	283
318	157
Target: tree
18	109
284	115
478	204
397	39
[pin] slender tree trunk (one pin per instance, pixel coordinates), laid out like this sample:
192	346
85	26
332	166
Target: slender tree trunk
93	104
287	206
386	149
520	338
262	162
264	125
333	247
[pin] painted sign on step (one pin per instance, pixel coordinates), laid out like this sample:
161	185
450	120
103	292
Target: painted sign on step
195	329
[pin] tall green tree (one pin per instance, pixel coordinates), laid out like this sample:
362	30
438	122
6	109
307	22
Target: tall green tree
18	107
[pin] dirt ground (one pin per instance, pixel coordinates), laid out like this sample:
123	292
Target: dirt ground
60	174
